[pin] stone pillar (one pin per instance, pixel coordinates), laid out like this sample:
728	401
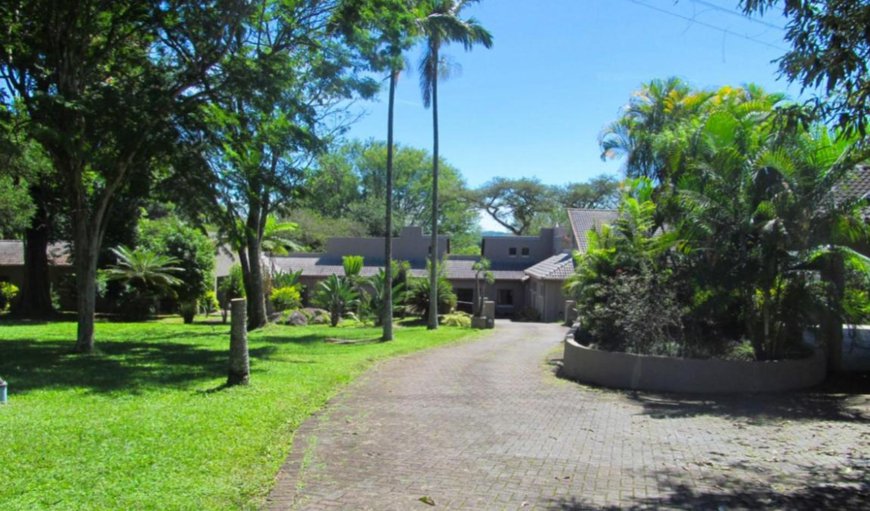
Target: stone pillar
570	312
240	368
489	313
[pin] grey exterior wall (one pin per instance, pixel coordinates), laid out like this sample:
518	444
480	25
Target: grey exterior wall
546	297
411	245
550	241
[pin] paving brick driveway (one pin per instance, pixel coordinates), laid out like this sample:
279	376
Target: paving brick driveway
487	425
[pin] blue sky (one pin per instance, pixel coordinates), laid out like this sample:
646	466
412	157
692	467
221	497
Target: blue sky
560	70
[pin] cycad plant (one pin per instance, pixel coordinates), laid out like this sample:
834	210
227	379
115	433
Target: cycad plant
379	298
147	276
337	295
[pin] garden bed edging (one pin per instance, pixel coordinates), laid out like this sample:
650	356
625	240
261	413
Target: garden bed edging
668	374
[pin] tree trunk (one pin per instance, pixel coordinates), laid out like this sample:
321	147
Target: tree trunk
254	285
433	256
35	299
86	253
239	366
833	273
387	319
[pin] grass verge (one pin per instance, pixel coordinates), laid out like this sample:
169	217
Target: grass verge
145	422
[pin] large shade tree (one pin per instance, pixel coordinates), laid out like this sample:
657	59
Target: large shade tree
275	99
830	49
102	84
442	24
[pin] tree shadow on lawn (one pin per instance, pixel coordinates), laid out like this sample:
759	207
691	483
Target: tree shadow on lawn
821	488
128	366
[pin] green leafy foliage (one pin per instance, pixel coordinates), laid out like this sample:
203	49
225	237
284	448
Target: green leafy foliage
231	287
284	298
376	296
728	235
458	319
146	276
353	265
193	253
829	49
337	295
8	293
418	296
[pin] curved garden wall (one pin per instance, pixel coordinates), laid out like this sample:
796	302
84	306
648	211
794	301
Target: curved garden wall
665	374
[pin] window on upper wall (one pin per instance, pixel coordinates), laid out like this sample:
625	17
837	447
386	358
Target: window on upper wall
512	251
525	252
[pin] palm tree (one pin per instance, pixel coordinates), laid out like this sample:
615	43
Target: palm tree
143	269
658	105
442	25
146	274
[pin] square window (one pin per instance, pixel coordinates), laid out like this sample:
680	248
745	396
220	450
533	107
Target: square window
512	251
525	252
505	297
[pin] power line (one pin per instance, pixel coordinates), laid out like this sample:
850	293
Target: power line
735	13
708	25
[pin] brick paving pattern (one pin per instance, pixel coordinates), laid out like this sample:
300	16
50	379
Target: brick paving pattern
487	425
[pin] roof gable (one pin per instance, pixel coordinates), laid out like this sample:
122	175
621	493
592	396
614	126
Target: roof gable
584	220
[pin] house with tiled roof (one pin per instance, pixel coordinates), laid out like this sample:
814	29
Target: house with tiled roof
12	261
856	186
529	271
509	255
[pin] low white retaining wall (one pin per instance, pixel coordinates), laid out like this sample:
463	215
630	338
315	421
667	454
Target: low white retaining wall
666	374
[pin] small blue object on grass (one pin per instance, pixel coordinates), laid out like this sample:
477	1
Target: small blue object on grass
2	392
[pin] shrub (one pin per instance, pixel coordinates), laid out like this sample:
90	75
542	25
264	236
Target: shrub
459	319
208	302
528	314
8	293
194	255
229	288
287	279
284	298
742	351
418	296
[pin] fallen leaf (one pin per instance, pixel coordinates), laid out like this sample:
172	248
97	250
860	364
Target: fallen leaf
425	499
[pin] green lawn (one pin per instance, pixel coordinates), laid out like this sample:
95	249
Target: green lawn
146	424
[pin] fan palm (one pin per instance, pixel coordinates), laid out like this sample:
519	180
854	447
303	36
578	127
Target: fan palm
442	24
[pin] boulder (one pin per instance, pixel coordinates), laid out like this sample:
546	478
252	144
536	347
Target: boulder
296	318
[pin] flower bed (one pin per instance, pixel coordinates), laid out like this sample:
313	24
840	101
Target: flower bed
666	374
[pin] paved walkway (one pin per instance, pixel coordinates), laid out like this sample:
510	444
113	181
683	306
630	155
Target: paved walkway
486	425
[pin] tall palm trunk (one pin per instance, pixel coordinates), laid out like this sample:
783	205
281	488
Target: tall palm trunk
433	256
388	220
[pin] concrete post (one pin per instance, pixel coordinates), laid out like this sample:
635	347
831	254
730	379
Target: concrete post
489	313
240	369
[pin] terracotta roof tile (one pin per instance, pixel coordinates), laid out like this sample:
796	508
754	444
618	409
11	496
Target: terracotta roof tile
583	220
12	253
557	267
